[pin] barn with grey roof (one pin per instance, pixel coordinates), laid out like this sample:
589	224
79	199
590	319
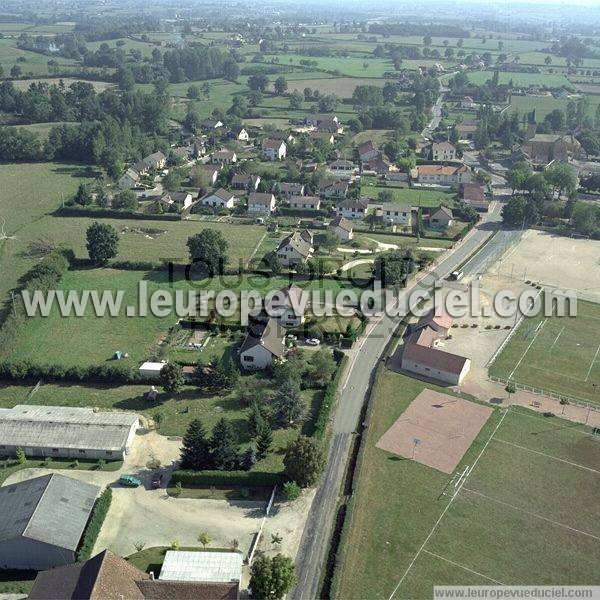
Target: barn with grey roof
42	521
66	432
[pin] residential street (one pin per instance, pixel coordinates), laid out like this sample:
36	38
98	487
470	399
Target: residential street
361	368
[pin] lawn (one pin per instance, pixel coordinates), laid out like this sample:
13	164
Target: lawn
414	197
557	354
533	482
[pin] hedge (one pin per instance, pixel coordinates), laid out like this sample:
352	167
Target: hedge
226	478
329	398
92	530
27	371
110	213
44	276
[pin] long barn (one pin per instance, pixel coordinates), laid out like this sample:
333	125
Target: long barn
66	432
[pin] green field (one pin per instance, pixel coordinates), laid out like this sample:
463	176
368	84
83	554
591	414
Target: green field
533	480
557	354
521	79
546	104
32	191
414	197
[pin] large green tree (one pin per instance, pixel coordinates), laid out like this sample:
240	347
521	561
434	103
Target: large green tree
288	405
171	378
304	461
102	242
223	444
195	450
208	251
271	578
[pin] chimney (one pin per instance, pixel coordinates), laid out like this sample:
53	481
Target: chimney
151	575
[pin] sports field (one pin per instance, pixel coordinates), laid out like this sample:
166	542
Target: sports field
558	354
523	512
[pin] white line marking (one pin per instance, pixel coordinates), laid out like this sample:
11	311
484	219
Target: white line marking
463	567
532	514
412	562
562	460
527	349
593	361
556	339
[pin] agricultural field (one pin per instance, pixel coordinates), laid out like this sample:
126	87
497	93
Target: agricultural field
341	86
532	480
558	354
522	79
546	104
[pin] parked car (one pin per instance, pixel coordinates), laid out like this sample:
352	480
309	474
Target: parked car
157	480
313	341
129	481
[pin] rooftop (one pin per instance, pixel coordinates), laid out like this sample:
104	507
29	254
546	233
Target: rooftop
216	567
53	509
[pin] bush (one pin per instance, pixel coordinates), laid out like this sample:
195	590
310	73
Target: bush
90	535
226	478
291	490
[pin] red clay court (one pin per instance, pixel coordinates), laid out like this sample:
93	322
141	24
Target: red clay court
445	427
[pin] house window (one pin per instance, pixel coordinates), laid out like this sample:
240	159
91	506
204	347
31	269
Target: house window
54	449
248	358
81	451
109	452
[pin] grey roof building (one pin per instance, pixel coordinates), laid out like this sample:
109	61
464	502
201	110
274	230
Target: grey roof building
67	432
42	521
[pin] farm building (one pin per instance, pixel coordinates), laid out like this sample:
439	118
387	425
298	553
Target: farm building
66	432
216	567
110	577
42	521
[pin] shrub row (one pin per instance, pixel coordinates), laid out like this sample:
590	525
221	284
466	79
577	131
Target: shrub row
329	398
92	530
286	211
226	478
110	213
27	371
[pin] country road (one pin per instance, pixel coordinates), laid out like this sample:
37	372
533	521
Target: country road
314	544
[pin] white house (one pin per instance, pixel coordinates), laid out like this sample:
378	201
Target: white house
318	120
342	168
224	157
353	209
441	218
289	189
305	202
261	203
398	214
295	249
443	175
221	199
242	181
239	133
264	345
342	228
443	151
129	179
290	311
367	151
211	173
156	160
334	189
181	200
468	102
274	150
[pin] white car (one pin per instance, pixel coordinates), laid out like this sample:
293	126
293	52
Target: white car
313	342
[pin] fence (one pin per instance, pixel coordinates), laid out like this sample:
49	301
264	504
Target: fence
258	534
548	393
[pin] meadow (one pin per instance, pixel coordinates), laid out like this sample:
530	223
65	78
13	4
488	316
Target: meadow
532	480
548	80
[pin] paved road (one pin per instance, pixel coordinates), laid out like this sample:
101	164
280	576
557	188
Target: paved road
363	362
